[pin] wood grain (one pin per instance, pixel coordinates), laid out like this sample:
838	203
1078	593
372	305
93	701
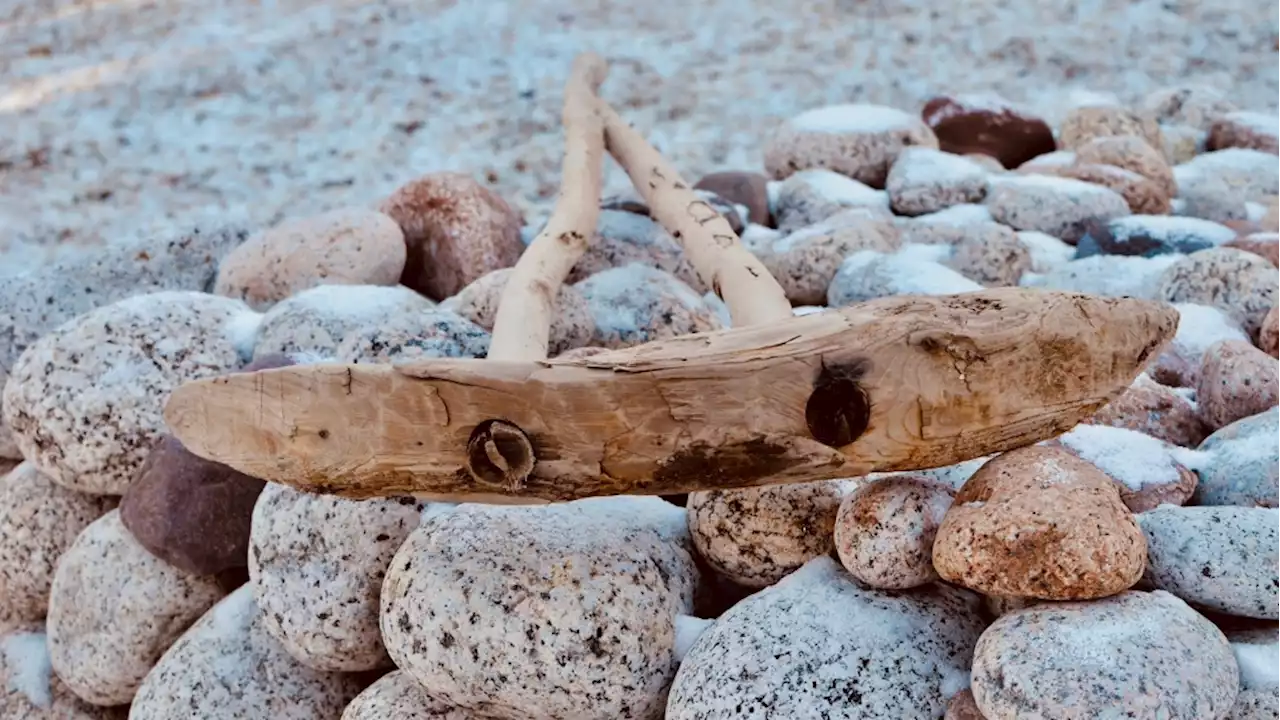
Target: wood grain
947	379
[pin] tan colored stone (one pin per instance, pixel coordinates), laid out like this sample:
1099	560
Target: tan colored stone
571	322
805	261
884	531
1143	195
963	707
1244	129
1086	123
1265	245
1131	153
1039	522
1156	410
1267	336
1239	283
860	141
1271	221
992	256
1236	380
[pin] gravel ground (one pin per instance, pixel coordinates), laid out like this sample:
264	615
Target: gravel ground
117	117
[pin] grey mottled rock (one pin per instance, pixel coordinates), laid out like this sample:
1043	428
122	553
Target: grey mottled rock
1056	206
819	646
434	333
811	196
884	530
1221	558
1239	463
29	689
867	275
924	180
319	319
1255	705
635	304
1132	655
395	696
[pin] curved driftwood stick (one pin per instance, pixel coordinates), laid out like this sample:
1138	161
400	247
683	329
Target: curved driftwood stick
901	383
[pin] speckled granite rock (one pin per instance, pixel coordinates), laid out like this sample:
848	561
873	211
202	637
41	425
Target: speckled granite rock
1148	472
1236	380
1106	275
571	322
570	607
804	261
1150	235
85	400
1039	522
29	690
867	275
1269	333
1250	174
811	196
226	667
39	520
884	531
757	536
1255	705
955	476
636	304
1138	655
1156	410
861	141
992	256
1132	153
924	180
623	238
396	696
319	319
1086	123
1221	558
1239	463
1237	282
114	608
1199	327
1056	206
817	645
317	563
433	333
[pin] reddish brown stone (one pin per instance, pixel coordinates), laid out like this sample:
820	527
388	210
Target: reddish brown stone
744	188
1156	410
963	707
966	126
1236	380
1263	244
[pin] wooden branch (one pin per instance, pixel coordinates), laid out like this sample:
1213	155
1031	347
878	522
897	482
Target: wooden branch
522	326
714	250
901	383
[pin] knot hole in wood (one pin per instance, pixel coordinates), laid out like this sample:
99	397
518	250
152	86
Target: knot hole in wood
500	454
838	410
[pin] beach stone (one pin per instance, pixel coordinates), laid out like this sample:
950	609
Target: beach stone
1269	333
1147	471
1138	655
867	275
749	189
1209	198
29	690
636	304
861	141
1239	463
1199	327
1236	380
818	645
1106	275
988	125
39	520
812	196
805	261
1039	522
1245	129
1156	410
945	227
1240	284
1141	194
1132	153
348	246
1250	174
571	323
1150	235
1265	245
1270	221
924	180
317	563
395	696
884	531
571	607
632	202
1181	142
954	476
1045	251
226	667
1083	124
625	238
316	321
1055	206
435	333
85	401
757	536
1255	705
992	256
1049	163
114	608
1220	558
455	230
963	707
1192	105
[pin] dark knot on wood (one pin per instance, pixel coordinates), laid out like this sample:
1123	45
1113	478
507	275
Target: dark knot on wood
500	454
838	410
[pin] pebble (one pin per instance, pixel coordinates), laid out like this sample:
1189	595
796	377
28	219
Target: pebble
624	238
85	401
811	196
1199	327
29	690
636	304
1141	194
1083	124
963	707
955	476
39	520
552	611
1137	655
1255	705
1251	174
1150	235
455	230
1269	333
757	536
1240	284
316	321
926	230
317	563
1240	462
227	667
1132	153
1039	522
805	261
435	333
1209	198
571	323
991	255
988	125
860	141
349	246
818	645
630	201
1181	142
1106	275
1236	380
1219	558
868	275
1155	410
395	696
1265	245
1245	129
884	531
1046	251
115	608
1147	471
1193	105
749	189
924	180
1055	206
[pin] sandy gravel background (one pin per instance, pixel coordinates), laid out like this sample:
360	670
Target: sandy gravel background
123	116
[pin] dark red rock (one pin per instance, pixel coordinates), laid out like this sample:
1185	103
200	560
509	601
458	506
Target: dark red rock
983	125
744	188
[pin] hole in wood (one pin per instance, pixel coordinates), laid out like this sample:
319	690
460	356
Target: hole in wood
838	410
499	453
